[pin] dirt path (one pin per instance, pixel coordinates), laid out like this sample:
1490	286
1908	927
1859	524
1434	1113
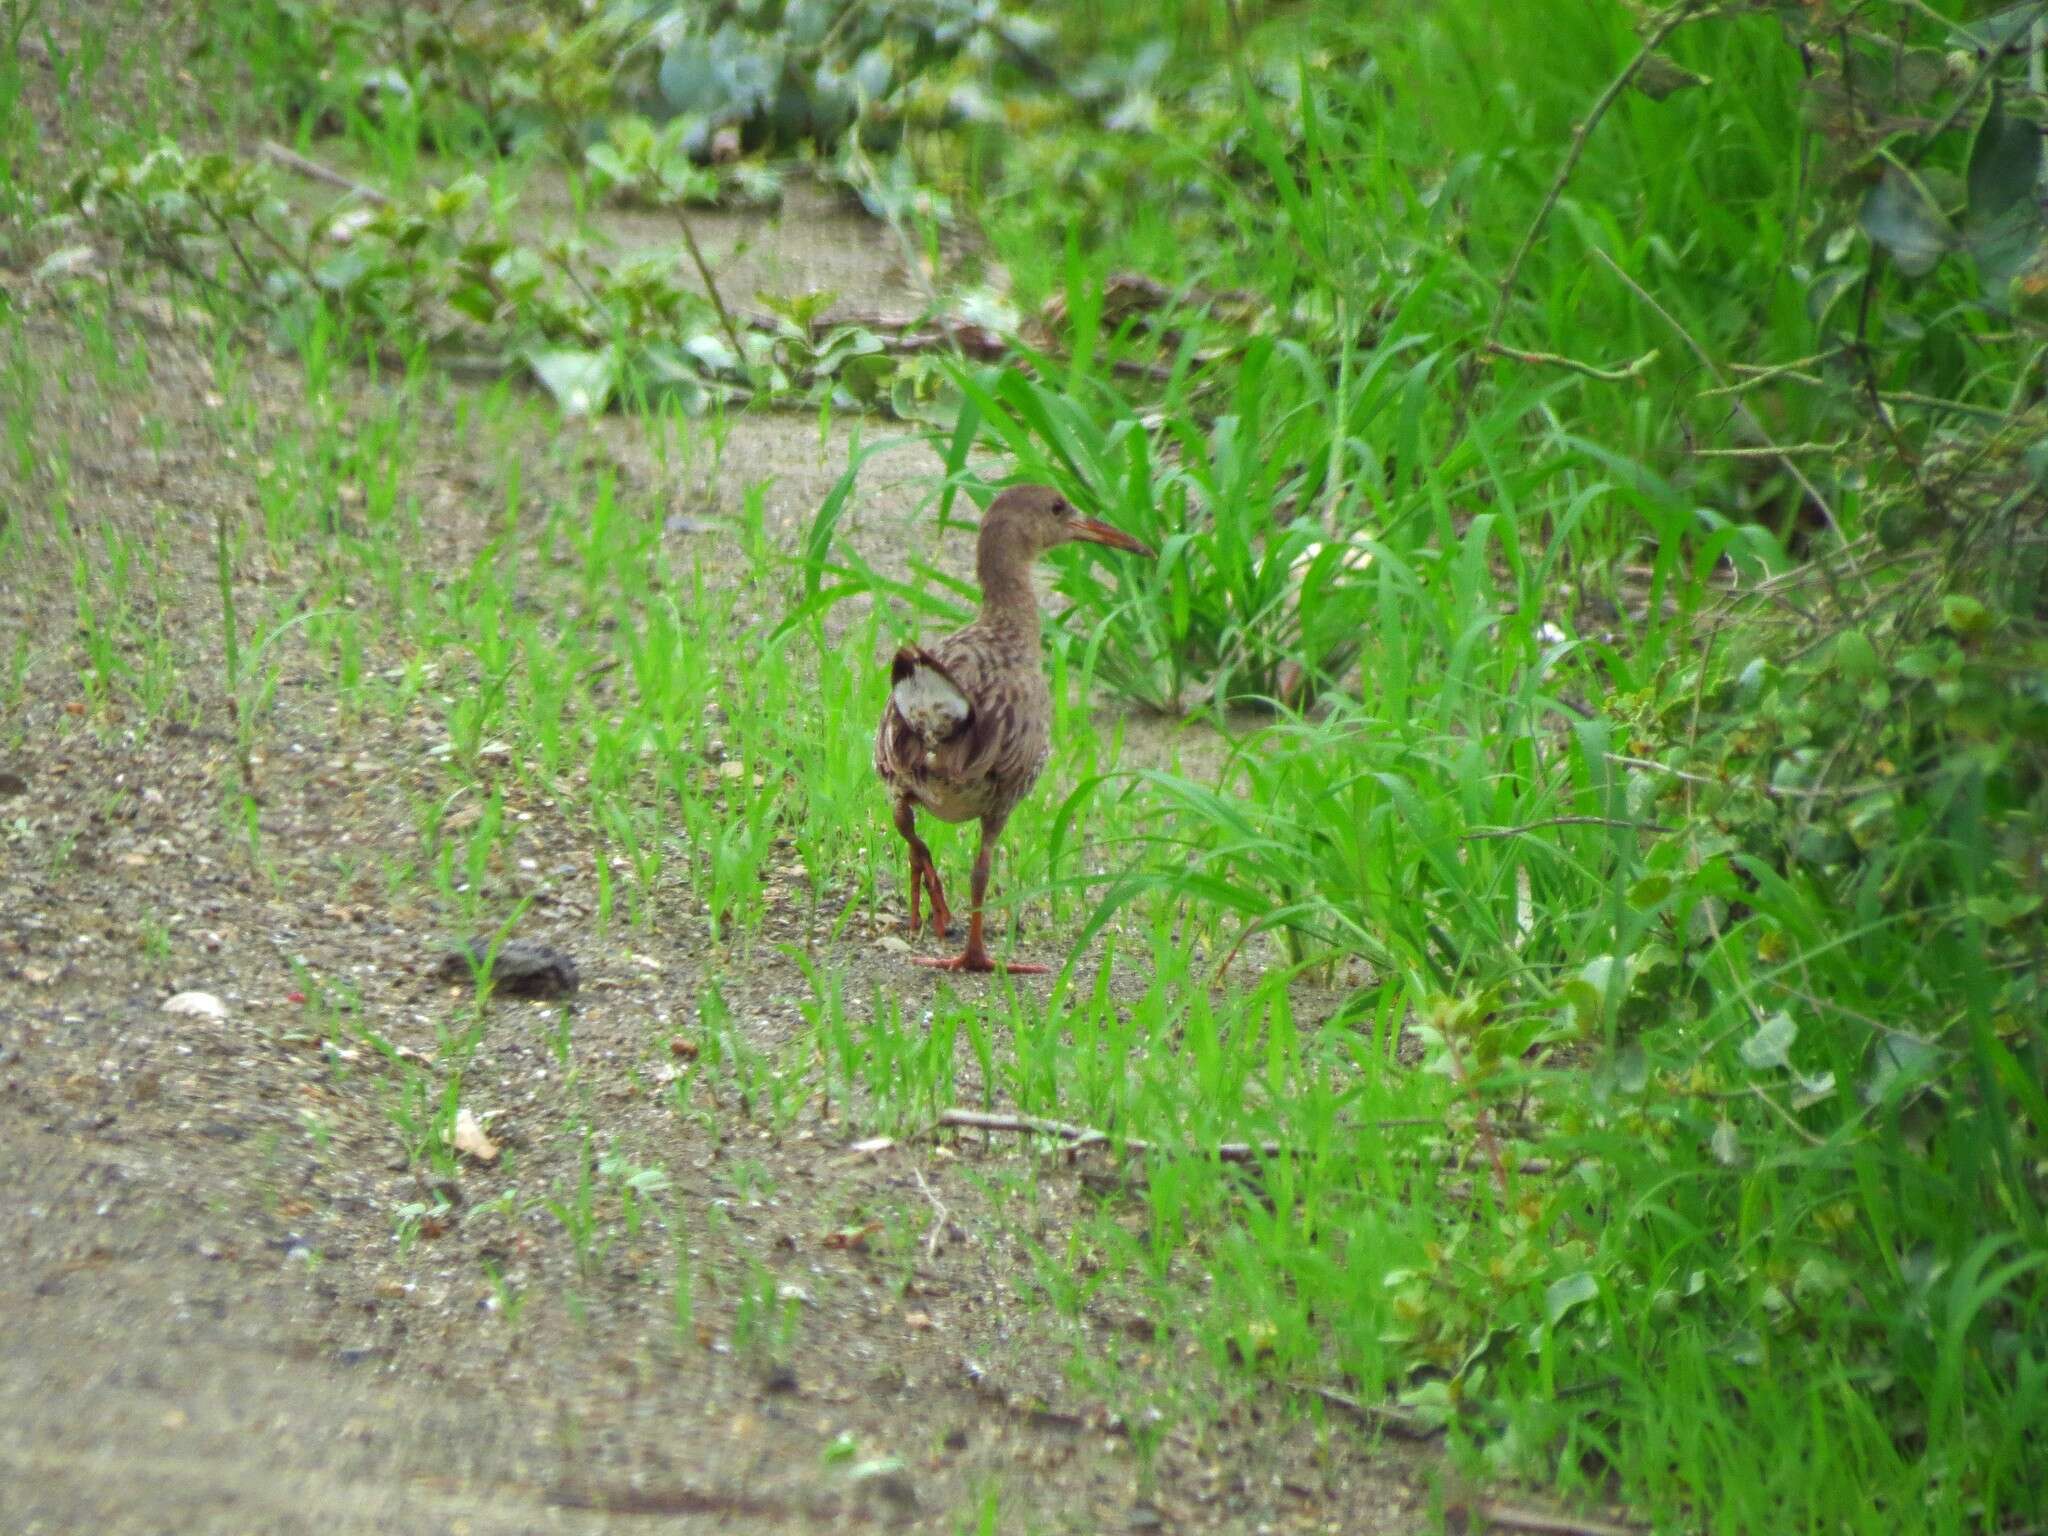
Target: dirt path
208	1324
217	1315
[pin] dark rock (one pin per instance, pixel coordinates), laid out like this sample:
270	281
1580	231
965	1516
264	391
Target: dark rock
521	969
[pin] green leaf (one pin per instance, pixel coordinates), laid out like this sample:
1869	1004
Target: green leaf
1964	615
2005	162
1661	76
1998	30
1771	1045
2003	911
581	382
1649	891
2002	224
1560	1296
1855	655
1901	215
610	164
688	78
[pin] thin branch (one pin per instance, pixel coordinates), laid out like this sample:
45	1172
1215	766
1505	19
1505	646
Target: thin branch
1548	1522
1662	28
939	1216
313	170
1395	1421
732	334
1573	365
1079	1136
1477	833
1770	450
1749	417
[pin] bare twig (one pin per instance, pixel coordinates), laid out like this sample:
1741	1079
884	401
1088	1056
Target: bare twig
1079	1136
313	170
939	1215
1548	1522
1770	450
1478	833
732	335
1394	1421
1573	365
1665	24
1749	417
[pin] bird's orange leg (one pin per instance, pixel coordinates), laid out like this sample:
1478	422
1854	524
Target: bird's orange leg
975	957
924	874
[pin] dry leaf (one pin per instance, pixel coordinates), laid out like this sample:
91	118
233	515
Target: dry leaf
471	1140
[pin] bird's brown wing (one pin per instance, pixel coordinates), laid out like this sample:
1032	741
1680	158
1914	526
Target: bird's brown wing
964	732
1005	740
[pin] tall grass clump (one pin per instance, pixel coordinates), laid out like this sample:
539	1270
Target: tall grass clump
1673	752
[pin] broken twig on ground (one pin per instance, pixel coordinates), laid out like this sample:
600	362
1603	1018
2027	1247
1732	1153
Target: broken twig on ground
313	170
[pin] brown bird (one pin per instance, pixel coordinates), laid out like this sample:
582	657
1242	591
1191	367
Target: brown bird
968	724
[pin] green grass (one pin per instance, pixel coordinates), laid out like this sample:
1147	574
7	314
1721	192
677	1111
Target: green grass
1717	1188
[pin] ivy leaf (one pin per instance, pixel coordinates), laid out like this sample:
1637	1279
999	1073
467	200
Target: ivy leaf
581	382
688	77
1901	215
1560	1296
1771	1045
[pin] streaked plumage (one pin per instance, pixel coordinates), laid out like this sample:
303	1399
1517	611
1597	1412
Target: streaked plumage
967	728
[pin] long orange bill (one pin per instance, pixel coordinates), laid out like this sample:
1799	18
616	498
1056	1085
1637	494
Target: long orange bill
1088	529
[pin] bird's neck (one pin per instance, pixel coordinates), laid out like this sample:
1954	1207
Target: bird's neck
1008	600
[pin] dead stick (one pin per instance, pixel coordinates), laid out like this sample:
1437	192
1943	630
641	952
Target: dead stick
292	160
1549	1524
1079	1136
1394	1421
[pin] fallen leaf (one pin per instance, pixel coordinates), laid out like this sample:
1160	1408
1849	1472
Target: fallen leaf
471	1140
872	1145
198	1005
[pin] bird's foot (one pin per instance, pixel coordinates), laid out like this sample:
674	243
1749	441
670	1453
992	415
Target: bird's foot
978	962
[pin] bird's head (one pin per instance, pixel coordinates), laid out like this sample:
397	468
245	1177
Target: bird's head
1033	518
